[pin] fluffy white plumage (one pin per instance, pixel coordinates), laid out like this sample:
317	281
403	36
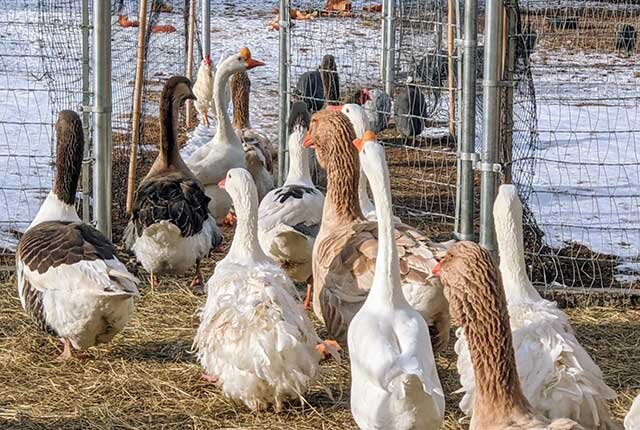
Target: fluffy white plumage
163	249
395	383
289	216
253	335
632	420
557	375
203	88
87	302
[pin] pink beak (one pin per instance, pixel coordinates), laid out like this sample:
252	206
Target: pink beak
221	184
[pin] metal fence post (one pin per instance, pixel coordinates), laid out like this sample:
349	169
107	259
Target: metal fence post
102	114
389	45
283	80
86	116
490	126
206	27
466	145
383	36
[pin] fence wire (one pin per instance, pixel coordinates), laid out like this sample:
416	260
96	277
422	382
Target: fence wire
422	162
579	173
40	63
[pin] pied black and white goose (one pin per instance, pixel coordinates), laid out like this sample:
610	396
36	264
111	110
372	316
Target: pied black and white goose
289	217
170	229
69	278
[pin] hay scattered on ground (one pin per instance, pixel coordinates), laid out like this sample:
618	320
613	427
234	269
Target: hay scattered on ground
147	378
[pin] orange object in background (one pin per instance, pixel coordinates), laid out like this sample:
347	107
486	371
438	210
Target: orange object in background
123	21
163	29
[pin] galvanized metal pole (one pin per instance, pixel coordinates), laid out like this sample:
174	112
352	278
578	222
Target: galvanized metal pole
389	47
383	34
490	129
206	27
86	116
283	80
466	144
102	114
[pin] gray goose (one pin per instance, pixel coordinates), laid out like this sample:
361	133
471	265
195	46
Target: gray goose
69	278
170	229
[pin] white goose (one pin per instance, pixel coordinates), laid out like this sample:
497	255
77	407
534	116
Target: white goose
394	383
254	340
557	375
211	162
69	277
289	217
632	420
358	117
170	229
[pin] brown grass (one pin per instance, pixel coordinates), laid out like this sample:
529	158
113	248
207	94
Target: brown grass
148	378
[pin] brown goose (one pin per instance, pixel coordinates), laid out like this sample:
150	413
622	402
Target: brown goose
258	150
474	288
170	228
69	278
344	253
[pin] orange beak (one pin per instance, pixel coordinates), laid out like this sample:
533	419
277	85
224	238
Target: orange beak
251	63
359	144
221	184
334	107
436	268
308	142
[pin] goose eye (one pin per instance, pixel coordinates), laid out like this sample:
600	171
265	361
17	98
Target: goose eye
239	58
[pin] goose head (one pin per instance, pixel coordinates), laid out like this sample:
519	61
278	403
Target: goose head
331	135
240	62
240	186
465	266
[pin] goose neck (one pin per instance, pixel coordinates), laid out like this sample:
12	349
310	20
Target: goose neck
169	147
509	233
341	202
299	169
225	127
386	288
488	334
245	245
363	195
240	93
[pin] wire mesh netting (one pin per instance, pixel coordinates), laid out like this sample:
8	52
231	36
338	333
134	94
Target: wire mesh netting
579	173
40	74
420	153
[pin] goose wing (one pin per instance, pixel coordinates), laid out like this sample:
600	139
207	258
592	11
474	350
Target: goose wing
69	256
175	198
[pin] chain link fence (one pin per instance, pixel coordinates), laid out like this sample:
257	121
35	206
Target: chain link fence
579	173
40	74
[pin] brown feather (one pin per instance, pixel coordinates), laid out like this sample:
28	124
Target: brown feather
69	153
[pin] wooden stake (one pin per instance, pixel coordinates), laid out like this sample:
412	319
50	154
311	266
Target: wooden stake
137	102
191	31
452	104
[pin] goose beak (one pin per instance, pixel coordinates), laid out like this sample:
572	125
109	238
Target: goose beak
358	143
221	184
436	269
337	108
251	63
308	142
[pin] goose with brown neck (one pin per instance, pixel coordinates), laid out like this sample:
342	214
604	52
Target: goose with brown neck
316	87
70	280
557	375
170	229
258	149
478	305
344	253
211	162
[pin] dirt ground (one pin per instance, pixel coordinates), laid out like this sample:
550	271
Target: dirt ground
148	378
